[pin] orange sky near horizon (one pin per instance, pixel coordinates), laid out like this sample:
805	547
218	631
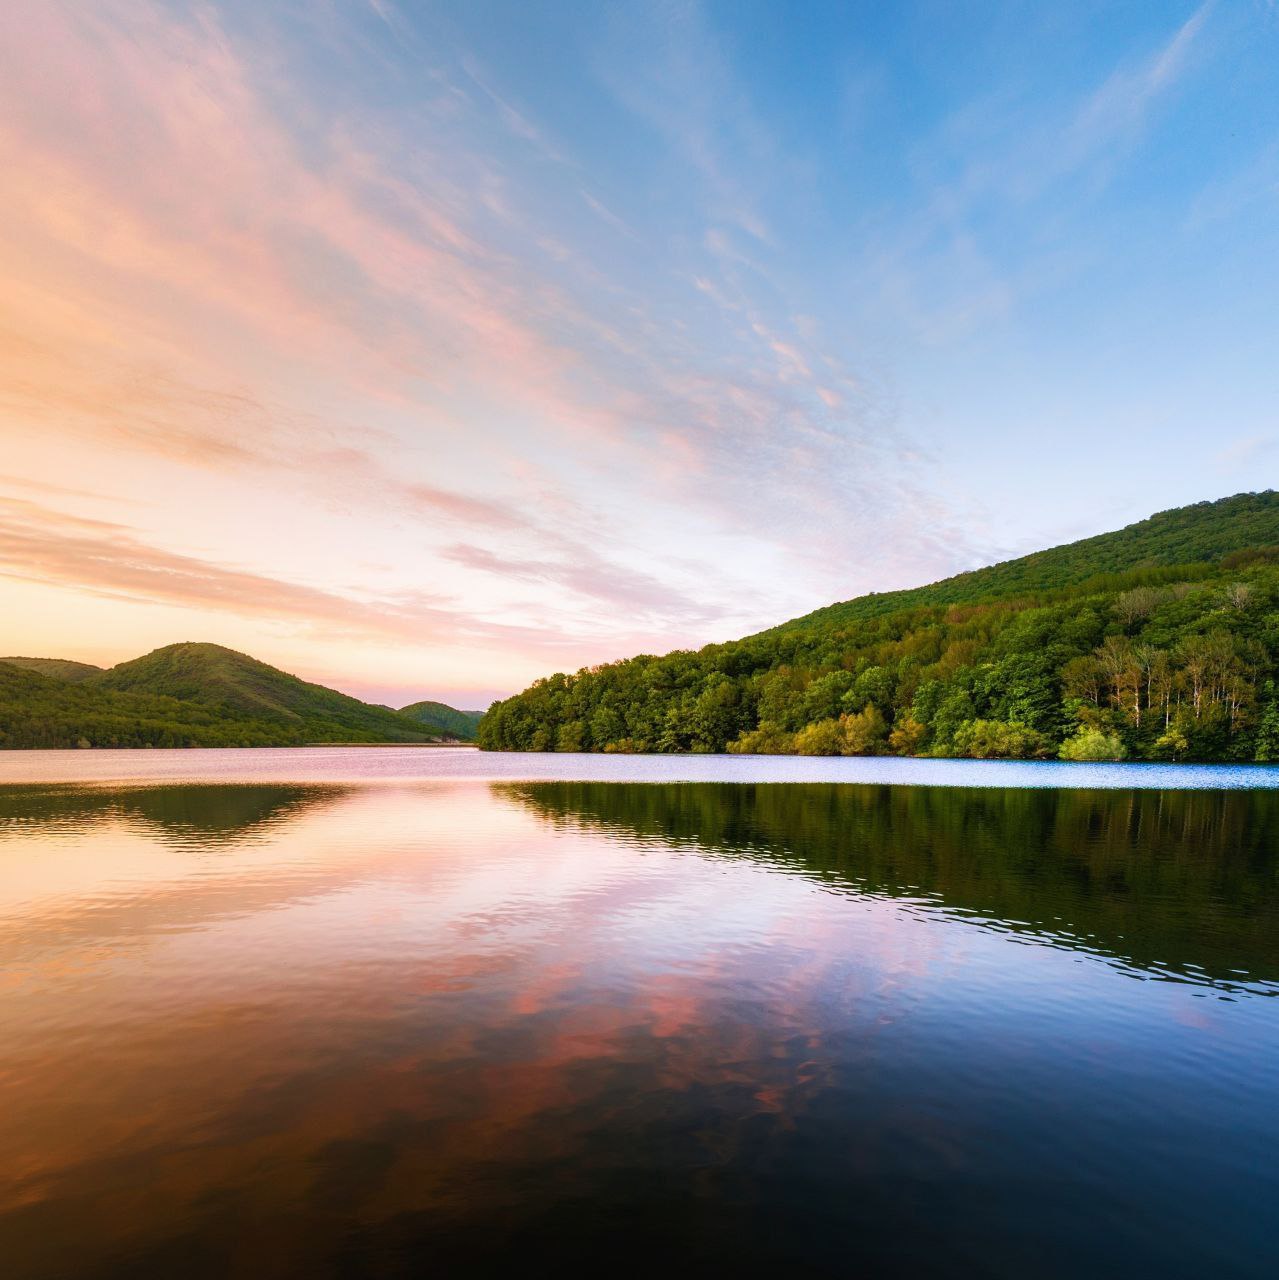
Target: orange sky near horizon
351	339
265	387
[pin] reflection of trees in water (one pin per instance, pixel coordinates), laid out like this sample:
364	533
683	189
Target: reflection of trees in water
119	915
1180	881
182	815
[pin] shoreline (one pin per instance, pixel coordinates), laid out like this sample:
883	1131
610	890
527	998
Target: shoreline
331	764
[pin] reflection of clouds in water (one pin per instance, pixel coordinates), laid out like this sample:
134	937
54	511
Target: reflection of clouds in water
1164	885
425	1011
502	990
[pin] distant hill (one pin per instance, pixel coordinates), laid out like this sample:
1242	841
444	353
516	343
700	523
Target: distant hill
1157	641
189	695
214	676
61	668
462	723
42	711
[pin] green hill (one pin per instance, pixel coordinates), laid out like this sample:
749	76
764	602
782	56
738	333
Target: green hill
189	695
1180	542
43	711
61	668
1158	641
462	723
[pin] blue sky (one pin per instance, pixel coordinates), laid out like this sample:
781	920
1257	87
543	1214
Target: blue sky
425	348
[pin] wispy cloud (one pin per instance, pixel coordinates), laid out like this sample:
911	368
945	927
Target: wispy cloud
43	545
1254	187
1116	112
1249	452
384	293
208	282
1001	182
647	598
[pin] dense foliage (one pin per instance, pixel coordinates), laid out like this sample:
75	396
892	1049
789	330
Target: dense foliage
1169	654
189	695
440	715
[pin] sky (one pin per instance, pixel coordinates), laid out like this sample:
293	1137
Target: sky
423	349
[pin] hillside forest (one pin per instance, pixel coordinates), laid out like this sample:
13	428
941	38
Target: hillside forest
1158	642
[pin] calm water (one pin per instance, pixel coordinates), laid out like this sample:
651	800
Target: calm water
376	1023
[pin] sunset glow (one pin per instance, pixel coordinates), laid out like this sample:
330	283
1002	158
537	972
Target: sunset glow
423	350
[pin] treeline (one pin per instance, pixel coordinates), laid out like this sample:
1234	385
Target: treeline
1158	663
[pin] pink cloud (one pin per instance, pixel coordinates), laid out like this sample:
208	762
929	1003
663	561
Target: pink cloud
213	266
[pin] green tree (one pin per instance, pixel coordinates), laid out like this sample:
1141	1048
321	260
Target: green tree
908	737
863	734
1091	744
824	738
998	740
1267	749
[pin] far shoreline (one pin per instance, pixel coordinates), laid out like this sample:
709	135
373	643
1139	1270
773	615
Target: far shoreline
340	765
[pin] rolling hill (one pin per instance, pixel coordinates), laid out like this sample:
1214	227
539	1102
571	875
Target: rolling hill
1157	641
43	711
462	723
214	676
59	668
188	695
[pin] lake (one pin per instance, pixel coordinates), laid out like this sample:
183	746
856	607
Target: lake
396	1012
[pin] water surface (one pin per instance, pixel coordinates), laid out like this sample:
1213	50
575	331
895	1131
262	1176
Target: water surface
413	763
437	1026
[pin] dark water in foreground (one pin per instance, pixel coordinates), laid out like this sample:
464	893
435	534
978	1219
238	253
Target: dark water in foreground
427	1028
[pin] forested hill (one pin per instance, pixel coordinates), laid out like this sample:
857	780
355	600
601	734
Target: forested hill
1177	540
60	668
187	695
1158	641
462	723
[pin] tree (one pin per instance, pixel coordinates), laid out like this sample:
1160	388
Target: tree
1239	596
998	740
1267	749
1132	606
769	739
1085	678
874	685
864	733
1173	743
824	738
1093	745
908	737
714	720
